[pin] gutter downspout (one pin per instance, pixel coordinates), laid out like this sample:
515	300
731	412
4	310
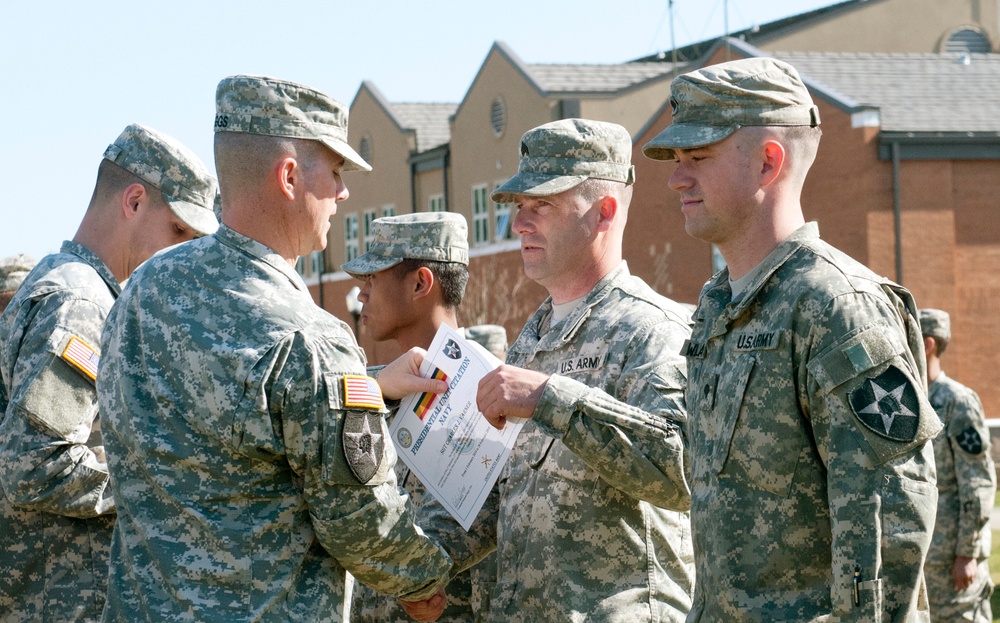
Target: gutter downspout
897	216
444	173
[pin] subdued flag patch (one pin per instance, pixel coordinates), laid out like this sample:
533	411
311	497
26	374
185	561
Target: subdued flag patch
427	399
362	391
82	356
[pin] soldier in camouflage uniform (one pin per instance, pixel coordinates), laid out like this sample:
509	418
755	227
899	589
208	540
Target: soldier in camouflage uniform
13	270
414	277
589	517
957	567
57	511
812	477
246	443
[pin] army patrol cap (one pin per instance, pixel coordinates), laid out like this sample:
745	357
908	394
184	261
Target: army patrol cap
492	337
935	323
434	236
163	162
272	107
713	102
13	270
560	155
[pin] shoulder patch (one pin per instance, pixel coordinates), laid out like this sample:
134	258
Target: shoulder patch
82	356
364	443
970	441
887	404
362	392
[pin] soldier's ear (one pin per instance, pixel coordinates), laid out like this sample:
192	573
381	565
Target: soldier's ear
132	197
423	282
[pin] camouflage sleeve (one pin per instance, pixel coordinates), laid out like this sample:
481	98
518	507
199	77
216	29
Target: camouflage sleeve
465	548
633	439
46	463
970	443
342	452
871	422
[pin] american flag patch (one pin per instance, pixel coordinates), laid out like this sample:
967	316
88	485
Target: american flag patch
83	357
427	399
362	391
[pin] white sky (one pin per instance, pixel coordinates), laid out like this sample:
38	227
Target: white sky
76	73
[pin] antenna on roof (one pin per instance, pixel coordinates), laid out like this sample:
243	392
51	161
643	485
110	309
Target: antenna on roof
673	43
725	24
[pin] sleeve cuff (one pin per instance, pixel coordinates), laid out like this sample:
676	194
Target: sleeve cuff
559	400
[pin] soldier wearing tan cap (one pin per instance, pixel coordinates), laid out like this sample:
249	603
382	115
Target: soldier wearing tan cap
247	445
957	566
13	270
57	510
812	475
589	516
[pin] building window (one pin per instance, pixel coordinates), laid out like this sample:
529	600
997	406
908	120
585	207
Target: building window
480	216
369	216
316	263
498	116
718	262
388	210
503	215
967	40
350	237
365	148
435	203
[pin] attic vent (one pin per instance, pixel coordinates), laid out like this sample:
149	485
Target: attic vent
365	149
968	40
498	116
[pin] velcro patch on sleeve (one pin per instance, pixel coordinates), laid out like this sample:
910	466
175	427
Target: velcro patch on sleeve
362	392
82	356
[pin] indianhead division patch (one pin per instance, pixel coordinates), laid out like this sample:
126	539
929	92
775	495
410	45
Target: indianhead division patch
364	444
970	441
887	405
452	350
82	356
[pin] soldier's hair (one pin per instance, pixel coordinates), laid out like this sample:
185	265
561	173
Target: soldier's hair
940	344
242	157
592	188
801	144
451	276
113	179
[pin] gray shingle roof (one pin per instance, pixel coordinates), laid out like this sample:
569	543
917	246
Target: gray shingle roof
914	92
595	78
430	121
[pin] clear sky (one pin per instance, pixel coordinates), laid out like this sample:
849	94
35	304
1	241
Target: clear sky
76	73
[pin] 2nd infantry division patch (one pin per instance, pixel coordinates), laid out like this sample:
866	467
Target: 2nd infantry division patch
970	441
364	444
887	405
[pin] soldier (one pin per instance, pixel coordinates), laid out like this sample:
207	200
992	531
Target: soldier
57	511
957	567
590	513
414	277
246	442
492	337
812	480
13	270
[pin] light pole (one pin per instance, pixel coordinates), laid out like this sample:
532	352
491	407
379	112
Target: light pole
354	306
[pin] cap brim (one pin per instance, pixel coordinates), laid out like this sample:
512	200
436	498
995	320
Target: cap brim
367	264
685	136
202	220
352	161
535	185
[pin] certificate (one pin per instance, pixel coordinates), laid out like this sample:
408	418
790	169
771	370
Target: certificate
443	438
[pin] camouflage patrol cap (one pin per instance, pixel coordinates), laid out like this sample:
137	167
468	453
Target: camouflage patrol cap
560	155
13	270
492	337
434	236
272	107
163	162
711	103
935	323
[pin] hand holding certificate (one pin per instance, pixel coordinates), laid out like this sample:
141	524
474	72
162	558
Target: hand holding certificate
443	438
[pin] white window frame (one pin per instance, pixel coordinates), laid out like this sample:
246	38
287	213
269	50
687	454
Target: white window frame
368	219
480	215
435	203
503	218
350	236
388	209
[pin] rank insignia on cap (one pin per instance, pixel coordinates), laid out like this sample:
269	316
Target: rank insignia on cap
970	441
362	392
364	444
82	356
887	404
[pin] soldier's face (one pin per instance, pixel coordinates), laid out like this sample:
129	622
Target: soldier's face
156	228
323	188
386	296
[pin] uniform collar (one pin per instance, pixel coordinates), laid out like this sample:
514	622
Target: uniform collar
262	252
90	258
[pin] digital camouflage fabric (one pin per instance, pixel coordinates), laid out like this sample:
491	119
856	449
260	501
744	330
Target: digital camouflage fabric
57	510
432	236
966	480
245	482
813	492
580	515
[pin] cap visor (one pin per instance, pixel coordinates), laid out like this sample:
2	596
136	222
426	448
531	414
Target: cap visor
685	136
536	185
367	264
200	219
352	161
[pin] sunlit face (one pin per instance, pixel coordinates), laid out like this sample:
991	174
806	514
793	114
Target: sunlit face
386	300
717	185
557	235
323	187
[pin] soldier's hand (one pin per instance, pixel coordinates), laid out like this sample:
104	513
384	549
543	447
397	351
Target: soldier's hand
963	572
427	610
509	392
402	377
